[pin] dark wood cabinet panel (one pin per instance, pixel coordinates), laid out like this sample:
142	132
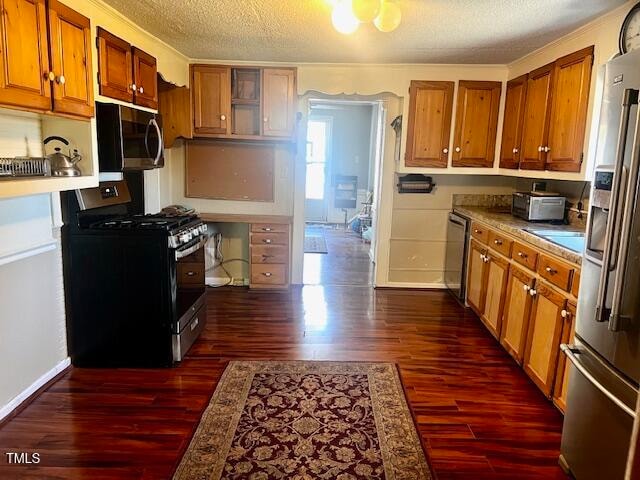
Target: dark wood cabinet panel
535	129
513	120
571	84
145	77
211	99
24	60
278	102
476	123
429	127
70	44
115	66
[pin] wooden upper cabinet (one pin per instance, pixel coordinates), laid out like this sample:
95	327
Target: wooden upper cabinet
70	35
24	60
145	77
571	84
476	124
114	55
515	319
278	102
535	129
543	339
211	94
497	272
513	119
430	107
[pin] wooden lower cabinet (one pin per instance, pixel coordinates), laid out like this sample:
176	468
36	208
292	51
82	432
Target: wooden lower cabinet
562	370
515	319
269	244
476	278
494	293
543	338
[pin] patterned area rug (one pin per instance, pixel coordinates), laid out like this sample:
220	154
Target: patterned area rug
315	244
306	421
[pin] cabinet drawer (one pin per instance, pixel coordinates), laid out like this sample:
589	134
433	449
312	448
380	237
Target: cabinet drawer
269	254
269	239
524	255
500	243
480	232
190	273
269	274
555	272
269	228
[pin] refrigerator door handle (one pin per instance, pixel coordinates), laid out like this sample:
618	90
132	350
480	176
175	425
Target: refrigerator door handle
630	98
627	221
570	351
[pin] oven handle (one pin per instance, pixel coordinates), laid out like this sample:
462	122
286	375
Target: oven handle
185	252
160	142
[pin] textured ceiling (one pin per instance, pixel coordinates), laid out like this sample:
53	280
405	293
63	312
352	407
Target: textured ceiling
432	31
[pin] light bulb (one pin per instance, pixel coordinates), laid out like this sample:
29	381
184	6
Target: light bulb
366	10
389	17
343	19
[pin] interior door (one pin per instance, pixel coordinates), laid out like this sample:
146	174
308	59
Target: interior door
535	128
278	102
429	128
211	87
318	166
513	121
515	319
476	124
146	79
71	64
497	272
476	277
24	61
571	83
114	59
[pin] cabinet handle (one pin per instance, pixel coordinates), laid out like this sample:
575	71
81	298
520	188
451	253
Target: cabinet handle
267	274
547	149
267	240
458	149
50	76
487	259
477	231
515	151
266	256
540	149
533	292
223	117
526	288
134	87
445	150
141	90
551	271
61	80
194	324
564	314
267	229
498	242
523	255
190	273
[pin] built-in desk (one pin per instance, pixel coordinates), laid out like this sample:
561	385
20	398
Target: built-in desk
269	247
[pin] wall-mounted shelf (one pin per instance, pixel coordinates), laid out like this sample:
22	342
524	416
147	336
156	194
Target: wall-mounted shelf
17	187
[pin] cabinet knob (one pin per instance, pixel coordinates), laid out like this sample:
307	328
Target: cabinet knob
141	90
265	119
190	273
458	149
50	76
267	240
445	150
477	231
61	80
223	117
526	288
532	292
515	150
267	274
522	255
267	229
547	149
540	148
134	87
498	242
551	270
564	314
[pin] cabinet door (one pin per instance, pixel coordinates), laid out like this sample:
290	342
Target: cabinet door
515	319
114	67
430	107
571	83
70	35
278	102
535	128
476	278
513	120
24	59
476	124
497	272
562	373
145	76
211	94
543	337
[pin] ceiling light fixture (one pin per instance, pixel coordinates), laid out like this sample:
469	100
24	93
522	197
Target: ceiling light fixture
348	14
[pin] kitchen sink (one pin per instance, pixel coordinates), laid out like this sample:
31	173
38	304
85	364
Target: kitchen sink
571	240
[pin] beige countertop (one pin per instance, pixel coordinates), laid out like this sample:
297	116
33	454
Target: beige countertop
506	222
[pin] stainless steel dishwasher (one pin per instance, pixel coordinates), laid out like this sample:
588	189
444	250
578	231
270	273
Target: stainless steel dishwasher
456	258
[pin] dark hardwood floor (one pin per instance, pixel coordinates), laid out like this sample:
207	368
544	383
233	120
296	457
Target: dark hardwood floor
478	415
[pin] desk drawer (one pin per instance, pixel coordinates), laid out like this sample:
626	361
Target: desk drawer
480	232
525	256
500	243
273	275
269	228
190	273
269	238
555	272
269	254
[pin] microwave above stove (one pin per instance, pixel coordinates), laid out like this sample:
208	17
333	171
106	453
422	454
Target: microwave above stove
128	138
538	206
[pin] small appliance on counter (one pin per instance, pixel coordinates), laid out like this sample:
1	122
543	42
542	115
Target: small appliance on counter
62	165
538	206
134	283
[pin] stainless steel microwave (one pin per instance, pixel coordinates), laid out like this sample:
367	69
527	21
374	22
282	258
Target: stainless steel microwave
538	206
128	138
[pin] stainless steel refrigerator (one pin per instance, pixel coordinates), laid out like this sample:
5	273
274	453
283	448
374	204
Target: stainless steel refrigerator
605	360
